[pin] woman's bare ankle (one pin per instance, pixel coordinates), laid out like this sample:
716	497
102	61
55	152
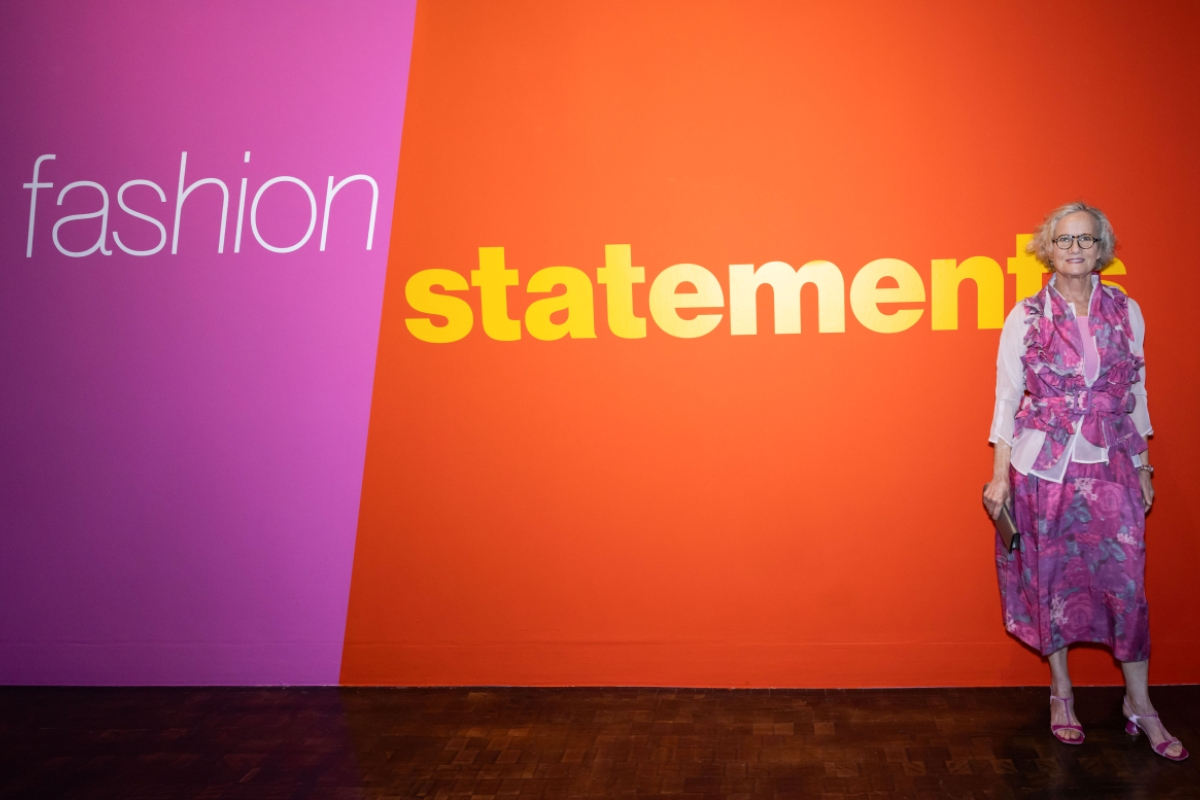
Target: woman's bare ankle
1142	707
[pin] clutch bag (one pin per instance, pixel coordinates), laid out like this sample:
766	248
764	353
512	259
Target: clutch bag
1006	526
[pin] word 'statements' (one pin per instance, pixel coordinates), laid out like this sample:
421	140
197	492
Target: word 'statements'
692	287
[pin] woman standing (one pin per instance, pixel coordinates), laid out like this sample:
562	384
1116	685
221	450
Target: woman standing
1069	432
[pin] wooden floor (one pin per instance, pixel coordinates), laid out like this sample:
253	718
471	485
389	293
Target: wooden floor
350	743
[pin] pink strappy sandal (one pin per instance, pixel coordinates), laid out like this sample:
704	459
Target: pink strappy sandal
1055	729
1133	726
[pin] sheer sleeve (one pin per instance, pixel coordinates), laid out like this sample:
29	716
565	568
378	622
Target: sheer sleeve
1141	412
1010	376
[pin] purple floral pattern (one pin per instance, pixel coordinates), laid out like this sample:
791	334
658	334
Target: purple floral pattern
1058	398
1078	574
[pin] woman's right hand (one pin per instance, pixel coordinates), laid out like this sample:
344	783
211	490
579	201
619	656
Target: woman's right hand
995	496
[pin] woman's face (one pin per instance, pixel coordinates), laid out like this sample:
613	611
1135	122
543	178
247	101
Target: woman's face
1076	261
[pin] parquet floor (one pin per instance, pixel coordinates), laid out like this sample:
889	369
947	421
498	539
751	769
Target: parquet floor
520	743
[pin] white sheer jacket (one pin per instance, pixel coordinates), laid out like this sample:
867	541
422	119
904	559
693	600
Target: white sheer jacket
1010	388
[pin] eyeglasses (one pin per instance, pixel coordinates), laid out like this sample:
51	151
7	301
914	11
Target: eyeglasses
1085	240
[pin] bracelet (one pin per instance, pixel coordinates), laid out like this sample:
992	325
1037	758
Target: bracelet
1146	468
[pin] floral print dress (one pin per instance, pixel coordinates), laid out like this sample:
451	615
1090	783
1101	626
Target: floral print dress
1079	572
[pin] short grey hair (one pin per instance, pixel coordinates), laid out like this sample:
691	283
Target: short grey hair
1042	243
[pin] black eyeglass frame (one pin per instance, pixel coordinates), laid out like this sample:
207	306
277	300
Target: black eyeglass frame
1070	240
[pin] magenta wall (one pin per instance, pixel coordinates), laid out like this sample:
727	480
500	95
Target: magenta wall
182	436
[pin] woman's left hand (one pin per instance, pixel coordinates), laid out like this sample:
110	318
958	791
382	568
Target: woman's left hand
1147	489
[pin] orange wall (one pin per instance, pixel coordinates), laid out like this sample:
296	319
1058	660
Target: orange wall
766	510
